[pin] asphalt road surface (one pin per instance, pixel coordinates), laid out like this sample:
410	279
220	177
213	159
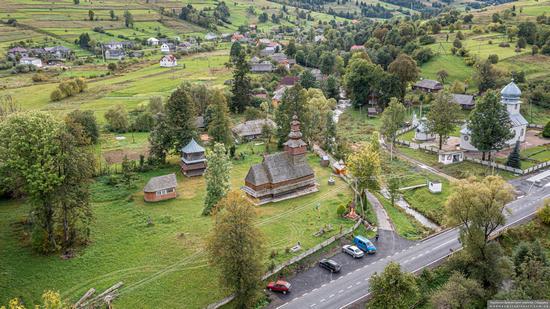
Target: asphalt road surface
351	287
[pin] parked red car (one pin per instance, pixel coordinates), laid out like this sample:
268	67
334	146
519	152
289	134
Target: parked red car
279	286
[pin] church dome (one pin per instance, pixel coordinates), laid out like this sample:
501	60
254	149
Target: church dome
511	90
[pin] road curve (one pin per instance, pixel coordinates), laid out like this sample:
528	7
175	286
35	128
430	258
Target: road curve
354	286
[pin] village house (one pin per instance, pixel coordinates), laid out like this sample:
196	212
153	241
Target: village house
237	37
428	85
113	45
193	159
160	188
288	81
152	41
211	36
168	61
282	175
167	47
262	67
58	52
356	48
18	51
278	95
465	101
114	54
450	157
422	133
319	38
510	96
31	61
252	129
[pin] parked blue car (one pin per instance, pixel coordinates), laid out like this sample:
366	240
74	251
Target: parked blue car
364	244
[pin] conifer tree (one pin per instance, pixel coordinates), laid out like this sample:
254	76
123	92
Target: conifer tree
241	89
514	159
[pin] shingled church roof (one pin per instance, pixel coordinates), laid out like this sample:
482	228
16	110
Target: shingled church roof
277	168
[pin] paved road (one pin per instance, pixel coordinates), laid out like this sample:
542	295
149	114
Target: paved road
315	276
352	287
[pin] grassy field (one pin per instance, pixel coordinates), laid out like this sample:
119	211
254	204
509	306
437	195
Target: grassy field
151	260
405	225
130	89
459	170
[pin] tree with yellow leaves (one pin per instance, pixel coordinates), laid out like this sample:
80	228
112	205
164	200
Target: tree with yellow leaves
50	300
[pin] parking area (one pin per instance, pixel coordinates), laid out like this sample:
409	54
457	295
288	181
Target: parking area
314	277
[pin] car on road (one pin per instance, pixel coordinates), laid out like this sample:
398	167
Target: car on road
279	286
364	244
353	251
330	265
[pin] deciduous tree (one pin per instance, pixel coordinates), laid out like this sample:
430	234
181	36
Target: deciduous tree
459	292
235	246
393	289
443	116
219	123
392	118
405	68
217	177
180	112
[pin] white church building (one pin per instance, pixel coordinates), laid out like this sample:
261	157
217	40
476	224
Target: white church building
510	97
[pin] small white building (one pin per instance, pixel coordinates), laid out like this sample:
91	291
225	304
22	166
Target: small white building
435	186
450	157
422	133
168	61
510	96
153	41
165	48
29	60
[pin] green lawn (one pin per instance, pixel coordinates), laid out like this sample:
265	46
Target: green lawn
454	65
405	225
459	170
167	256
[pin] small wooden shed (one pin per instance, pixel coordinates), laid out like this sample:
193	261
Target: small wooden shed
160	188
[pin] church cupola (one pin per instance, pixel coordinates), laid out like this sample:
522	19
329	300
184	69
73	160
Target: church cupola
510	97
295	145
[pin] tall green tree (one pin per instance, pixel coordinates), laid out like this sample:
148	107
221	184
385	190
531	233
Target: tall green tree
308	80
477	208
365	168
180	112
405	68
459	292
443	116
88	122
128	19
331	87
160	139
236	248
489	124
241	88
291	48
294	102
219	126
29	154
393	289
91	14
117	119
361	80
485	76
217	177
392	118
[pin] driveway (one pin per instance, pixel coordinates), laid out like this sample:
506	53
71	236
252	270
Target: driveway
314	277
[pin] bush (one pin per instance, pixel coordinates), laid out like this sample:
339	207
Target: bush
423	55
56	95
341	210
39	77
493	58
504	44
544	213
470	61
457	43
546	131
463	52
426	39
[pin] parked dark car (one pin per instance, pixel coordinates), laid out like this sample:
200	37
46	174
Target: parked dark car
330	265
279	286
